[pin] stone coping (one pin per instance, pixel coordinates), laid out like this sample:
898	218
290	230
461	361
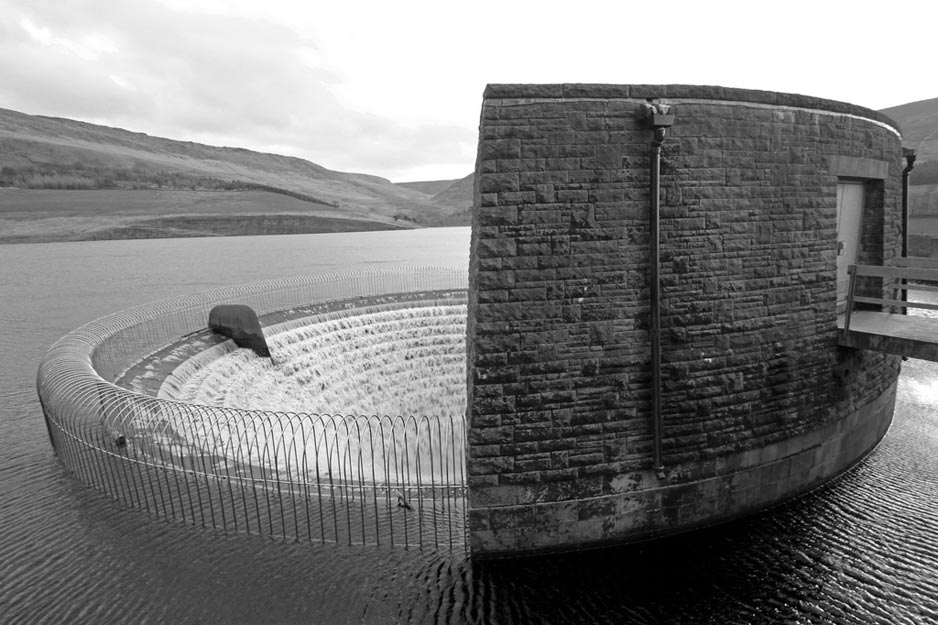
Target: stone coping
573	91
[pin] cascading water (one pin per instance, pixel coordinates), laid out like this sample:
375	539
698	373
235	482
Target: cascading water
389	372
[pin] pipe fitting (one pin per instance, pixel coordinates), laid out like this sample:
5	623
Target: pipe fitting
659	118
909	155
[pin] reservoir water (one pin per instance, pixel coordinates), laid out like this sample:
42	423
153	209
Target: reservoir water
862	550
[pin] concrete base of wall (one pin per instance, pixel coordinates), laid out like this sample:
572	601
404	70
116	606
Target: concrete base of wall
644	505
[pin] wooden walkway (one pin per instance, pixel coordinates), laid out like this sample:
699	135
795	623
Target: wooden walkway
889	329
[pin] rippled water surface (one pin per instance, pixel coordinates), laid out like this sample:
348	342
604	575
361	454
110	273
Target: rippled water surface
863	550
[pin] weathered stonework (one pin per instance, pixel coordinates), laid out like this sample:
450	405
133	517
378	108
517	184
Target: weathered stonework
759	403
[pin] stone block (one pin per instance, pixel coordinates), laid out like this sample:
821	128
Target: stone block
501	215
486	436
496	248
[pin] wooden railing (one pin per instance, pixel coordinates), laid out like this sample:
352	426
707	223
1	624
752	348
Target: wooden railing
921	272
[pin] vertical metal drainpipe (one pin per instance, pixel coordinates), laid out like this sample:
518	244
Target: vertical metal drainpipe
909	155
660	122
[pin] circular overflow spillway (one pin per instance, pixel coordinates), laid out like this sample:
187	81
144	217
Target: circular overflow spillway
642	350
388	376
406	359
352	432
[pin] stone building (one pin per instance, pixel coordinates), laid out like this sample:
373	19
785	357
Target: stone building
655	279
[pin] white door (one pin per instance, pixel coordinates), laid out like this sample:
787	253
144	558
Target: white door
849	217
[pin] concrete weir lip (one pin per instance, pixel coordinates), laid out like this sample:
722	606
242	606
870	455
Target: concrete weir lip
655	277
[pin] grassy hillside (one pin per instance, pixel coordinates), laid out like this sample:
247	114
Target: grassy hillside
427	187
919	123
458	194
48	153
35	216
453	197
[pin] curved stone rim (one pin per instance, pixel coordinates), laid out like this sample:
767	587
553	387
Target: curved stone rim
573	91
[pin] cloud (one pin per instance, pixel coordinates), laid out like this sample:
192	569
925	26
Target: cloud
394	89
88	48
52	74
210	77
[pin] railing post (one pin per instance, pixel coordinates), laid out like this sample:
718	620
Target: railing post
852	272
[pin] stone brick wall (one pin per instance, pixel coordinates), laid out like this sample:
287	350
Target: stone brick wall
560	438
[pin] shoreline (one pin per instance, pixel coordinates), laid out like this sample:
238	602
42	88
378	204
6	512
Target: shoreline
193	225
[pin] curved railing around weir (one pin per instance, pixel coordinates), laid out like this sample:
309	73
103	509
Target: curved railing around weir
352	479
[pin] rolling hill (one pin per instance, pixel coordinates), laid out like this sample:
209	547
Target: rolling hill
104	164
63	179
919	123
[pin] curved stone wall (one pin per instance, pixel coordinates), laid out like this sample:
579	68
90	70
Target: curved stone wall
759	402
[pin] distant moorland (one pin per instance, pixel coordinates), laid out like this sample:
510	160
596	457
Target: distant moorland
64	180
919	122
46	215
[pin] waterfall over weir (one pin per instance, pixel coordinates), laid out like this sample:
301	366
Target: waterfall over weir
389	364
353	431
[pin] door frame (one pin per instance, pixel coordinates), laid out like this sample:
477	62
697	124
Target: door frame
842	280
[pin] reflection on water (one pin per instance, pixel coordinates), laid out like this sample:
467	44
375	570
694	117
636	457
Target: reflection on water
925	391
863	550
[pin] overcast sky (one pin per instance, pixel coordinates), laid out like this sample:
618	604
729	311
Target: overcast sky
394	88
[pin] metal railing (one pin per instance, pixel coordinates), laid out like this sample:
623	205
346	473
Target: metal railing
394	480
